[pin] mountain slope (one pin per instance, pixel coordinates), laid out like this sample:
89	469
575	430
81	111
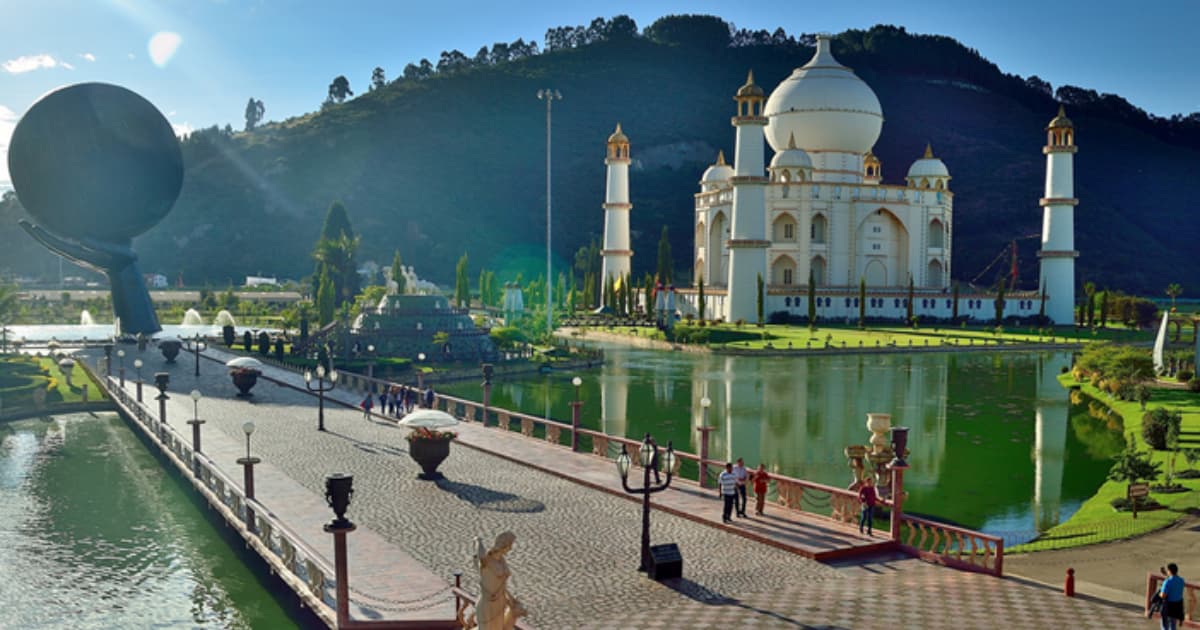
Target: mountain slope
456	163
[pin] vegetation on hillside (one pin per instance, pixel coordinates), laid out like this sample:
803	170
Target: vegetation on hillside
448	158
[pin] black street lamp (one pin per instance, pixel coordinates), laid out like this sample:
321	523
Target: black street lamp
648	457
137	365
197	346
121	372
320	388
196	421
161	380
420	371
370	361
248	463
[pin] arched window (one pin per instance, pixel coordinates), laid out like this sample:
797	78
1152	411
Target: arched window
818	271
937	234
818	229
783	229
783	271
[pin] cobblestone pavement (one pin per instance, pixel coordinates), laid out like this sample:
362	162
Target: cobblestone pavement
573	564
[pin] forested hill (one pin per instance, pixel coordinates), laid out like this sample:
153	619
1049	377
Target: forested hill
452	160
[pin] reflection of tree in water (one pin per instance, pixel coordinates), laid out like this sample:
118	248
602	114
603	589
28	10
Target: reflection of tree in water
488	499
1101	432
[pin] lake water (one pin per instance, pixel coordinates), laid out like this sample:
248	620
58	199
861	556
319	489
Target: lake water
995	444
96	534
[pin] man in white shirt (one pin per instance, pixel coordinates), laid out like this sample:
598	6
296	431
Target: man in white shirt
741	475
728	484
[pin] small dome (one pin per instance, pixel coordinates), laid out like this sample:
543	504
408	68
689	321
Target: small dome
825	105
750	88
1060	121
928	166
618	136
719	172
791	157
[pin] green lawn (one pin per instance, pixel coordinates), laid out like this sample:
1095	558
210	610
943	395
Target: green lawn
74	392
1096	521
780	336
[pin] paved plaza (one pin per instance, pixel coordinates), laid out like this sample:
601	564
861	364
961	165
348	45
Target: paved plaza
577	548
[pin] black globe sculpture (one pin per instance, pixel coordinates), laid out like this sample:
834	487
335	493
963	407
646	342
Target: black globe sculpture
96	164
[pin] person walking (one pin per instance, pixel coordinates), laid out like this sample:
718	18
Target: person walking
367	404
1171	592
429	397
742	476
760	478
728	484
867	497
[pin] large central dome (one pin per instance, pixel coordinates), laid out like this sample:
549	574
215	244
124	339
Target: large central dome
826	106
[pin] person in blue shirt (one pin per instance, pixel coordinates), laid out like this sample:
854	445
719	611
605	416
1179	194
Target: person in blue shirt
1172	596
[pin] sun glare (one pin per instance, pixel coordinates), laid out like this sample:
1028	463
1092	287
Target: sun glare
163	46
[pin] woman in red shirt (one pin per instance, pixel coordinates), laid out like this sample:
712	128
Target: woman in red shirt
760	478
868	497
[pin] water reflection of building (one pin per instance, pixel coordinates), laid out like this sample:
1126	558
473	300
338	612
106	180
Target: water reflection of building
796	416
1050	441
614	397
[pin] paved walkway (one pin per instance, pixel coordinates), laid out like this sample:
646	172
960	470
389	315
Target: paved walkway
577	547
1117	570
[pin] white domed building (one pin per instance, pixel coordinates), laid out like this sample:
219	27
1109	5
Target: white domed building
819	210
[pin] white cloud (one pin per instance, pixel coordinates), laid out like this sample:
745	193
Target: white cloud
88	57
29	63
8	122
66	65
162	47
182	129
131	56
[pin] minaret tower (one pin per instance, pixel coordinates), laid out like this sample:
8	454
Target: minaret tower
616	252
1058	221
748	233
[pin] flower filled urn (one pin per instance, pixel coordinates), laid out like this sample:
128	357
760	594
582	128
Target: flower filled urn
428	444
245	372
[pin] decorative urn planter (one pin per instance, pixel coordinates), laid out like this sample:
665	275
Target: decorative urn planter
170	349
429	452
879	424
428	446
244	379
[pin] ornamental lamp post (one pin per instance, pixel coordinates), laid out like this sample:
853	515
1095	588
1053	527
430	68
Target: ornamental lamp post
370	361
196	421
320	388
548	95
339	490
648	457
121	372
161	380
137	365
575	408
197	345
704	430
248	463
420	371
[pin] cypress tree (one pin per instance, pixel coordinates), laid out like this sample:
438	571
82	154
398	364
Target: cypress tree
325	297
664	258
909	309
862	302
812	300
760	300
701	306
954	303
398	273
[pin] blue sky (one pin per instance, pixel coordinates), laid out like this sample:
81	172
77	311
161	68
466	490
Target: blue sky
200	60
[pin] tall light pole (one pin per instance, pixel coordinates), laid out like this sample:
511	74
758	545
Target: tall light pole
549	96
320	388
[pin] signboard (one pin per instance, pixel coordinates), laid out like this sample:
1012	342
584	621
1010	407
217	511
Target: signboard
1139	490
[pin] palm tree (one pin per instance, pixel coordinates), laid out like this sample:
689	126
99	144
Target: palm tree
1174	291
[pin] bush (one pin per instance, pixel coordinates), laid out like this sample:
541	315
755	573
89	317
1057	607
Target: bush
1121	504
1160	427
1194	385
1183	376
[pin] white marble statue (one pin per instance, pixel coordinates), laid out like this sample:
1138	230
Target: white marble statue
497	609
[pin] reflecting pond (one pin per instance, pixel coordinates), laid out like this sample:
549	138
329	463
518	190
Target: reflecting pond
97	535
995	444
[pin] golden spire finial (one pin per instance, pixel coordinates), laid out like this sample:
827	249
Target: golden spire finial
1062	112
721	157
750	77
928	150
618	128
791	140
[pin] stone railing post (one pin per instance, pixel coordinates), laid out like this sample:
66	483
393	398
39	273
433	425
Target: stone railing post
248	484
576	406
85	392
897	498
704	431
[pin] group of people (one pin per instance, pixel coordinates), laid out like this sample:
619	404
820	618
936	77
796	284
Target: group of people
398	400
734	482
